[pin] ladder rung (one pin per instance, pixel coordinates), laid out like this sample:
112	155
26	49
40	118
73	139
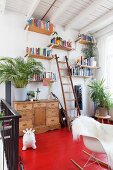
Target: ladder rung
68	92
65	76
71	109
63	68
62	62
66	84
69	100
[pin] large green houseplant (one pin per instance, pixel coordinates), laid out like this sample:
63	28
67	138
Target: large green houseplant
100	96
19	71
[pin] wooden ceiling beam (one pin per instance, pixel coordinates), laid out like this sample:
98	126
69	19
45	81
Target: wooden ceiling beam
84	14
32	9
100	23
58	13
2	6
106	30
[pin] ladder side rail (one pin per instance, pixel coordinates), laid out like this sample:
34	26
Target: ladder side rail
75	96
62	91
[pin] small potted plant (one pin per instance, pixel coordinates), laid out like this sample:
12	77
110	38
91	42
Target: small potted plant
31	95
100	96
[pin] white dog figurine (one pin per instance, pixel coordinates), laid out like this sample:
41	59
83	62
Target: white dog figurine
29	139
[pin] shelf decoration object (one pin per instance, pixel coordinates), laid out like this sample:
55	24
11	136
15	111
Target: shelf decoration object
40	53
39	26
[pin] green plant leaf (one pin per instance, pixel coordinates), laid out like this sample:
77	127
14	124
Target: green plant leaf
18	70
99	94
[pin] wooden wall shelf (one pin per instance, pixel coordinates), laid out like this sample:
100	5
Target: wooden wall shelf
82	76
60	47
33	81
91	67
85	42
41	57
33	28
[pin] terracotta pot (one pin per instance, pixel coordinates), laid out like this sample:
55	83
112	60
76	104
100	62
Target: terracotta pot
103	111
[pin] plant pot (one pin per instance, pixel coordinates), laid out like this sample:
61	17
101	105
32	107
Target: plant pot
20	94
103	111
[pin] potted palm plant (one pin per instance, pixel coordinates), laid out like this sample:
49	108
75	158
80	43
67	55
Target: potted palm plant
19	71
100	96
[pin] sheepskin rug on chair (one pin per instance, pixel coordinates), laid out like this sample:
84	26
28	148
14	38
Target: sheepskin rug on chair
87	126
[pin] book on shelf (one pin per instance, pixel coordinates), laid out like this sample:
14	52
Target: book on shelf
61	42
77	71
44	75
86	38
39	51
47	25
86	61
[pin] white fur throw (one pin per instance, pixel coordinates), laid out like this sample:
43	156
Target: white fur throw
87	126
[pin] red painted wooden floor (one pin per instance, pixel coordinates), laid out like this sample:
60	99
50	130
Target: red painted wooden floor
54	151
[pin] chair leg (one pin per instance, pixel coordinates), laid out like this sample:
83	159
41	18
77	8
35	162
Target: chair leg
77	165
98	160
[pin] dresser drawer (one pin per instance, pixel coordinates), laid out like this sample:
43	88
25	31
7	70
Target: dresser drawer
52	121
25	124
23	106
52	105
25	114
39	105
52	112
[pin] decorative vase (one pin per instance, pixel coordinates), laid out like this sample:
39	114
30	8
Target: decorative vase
20	94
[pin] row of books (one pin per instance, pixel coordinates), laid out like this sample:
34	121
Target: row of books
81	71
43	75
86	61
87	37
47	25
39	51
61	42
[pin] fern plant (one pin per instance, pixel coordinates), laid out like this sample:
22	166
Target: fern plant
100	95
18	71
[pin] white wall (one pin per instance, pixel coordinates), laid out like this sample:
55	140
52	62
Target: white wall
14	40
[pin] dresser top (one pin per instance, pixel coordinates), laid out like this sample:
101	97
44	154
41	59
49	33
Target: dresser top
38	101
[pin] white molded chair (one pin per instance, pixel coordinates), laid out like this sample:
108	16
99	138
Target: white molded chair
91	140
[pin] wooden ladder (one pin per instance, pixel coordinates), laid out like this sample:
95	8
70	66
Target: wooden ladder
70	90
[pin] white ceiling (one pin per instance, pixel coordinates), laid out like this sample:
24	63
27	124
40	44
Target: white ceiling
83	15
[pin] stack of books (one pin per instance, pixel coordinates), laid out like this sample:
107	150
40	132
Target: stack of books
86	61
61	42
43	75
77	71
39	51
47	25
